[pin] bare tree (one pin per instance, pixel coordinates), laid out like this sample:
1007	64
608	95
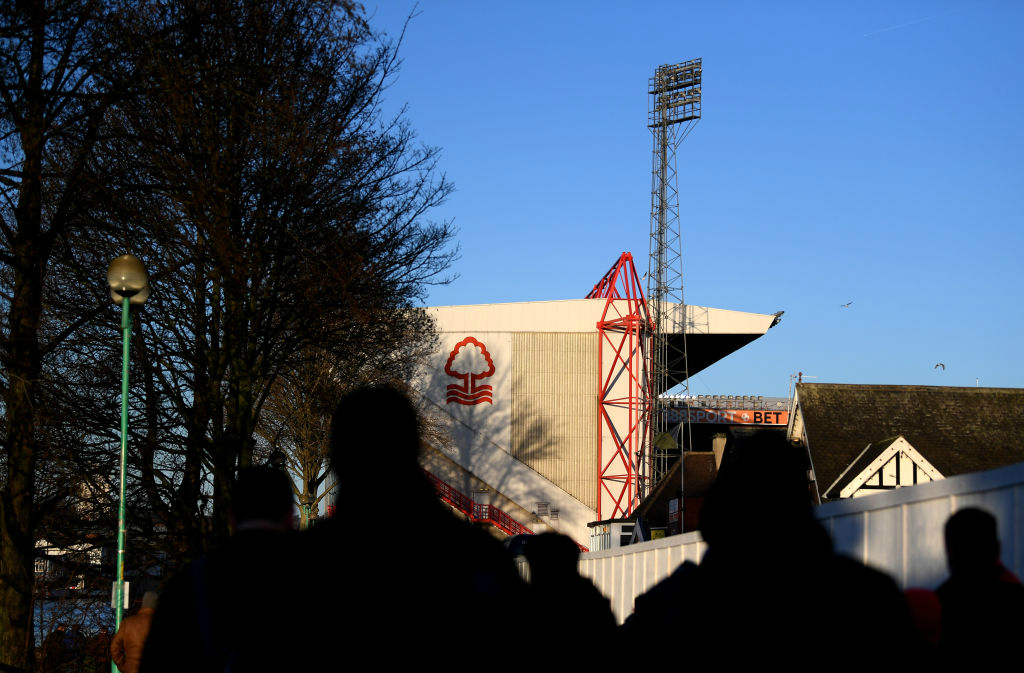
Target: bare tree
53	102
296	425
296	422
241	151
284	216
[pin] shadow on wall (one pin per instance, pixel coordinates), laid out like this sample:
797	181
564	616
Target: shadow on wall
469	440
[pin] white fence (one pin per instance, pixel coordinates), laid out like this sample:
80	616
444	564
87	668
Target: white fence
898	531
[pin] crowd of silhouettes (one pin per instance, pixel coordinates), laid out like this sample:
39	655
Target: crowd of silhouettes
402	580
236	609
69	650
769	587
61	650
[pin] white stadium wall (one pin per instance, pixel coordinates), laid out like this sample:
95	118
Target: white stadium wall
515	387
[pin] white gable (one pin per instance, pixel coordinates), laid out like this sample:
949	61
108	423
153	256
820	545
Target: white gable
898	464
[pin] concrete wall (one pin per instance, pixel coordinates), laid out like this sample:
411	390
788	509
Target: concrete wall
899	532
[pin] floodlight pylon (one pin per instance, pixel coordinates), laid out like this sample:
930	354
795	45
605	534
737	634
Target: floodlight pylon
675	108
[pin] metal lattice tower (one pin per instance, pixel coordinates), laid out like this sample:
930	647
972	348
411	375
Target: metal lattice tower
674	94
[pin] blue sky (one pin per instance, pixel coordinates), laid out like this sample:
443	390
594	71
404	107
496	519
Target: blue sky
870	152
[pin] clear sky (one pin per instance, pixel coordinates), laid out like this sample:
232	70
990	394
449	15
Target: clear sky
867	152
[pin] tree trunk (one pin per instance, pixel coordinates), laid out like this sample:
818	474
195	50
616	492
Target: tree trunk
23	362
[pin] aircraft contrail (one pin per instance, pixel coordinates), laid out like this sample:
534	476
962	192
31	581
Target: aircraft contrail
902	25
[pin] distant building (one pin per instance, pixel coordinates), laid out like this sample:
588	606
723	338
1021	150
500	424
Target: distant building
862	439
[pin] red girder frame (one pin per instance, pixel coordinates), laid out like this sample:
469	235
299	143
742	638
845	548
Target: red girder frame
624	389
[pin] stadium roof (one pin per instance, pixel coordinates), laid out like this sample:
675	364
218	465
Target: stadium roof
711	334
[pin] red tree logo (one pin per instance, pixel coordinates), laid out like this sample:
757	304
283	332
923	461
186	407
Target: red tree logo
469	361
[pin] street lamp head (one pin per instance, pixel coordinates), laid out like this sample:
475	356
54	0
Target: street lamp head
136	299
127	277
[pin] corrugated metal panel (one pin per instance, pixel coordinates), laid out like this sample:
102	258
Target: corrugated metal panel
554	409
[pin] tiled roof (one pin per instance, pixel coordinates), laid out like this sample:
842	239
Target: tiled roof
957	430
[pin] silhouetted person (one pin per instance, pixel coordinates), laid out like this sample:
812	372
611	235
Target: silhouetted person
77	649
97	652
570	604
926	611
236	609
55	650
126	647
397	570
982	601
769	588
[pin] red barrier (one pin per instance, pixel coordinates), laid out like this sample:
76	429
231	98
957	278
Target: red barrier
476	511
480	512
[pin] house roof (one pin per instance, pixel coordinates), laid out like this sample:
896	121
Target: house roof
958	430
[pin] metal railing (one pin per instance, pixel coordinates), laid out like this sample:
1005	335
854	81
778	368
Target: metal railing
477	512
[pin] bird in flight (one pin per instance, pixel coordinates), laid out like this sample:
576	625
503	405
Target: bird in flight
846	305
940	365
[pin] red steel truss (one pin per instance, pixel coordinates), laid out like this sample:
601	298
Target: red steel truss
624	389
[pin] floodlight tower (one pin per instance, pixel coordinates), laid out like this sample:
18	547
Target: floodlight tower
674	110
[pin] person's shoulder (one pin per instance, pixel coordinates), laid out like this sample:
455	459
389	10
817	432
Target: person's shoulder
852	570
177	598
867	593
130	620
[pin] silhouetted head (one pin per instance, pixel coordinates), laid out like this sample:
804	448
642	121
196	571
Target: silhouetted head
262	497
972	543
150	600
761	493
374	425
551	556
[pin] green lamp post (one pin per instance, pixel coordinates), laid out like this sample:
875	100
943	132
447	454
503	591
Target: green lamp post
129	284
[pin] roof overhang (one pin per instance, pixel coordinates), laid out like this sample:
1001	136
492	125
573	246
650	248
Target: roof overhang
710	333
